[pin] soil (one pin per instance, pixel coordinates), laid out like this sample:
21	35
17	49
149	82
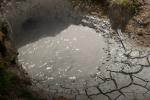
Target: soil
139	26
98	9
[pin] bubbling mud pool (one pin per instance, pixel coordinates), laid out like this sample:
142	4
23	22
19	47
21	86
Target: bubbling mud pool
75	52
54	45
69	58
71	54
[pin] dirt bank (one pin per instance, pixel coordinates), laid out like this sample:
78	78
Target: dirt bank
10	72
139	26
15	84
133	19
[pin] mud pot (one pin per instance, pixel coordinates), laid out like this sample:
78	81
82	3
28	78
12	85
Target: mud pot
70	53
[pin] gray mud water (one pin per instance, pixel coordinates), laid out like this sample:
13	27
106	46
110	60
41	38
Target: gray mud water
75	52
75	55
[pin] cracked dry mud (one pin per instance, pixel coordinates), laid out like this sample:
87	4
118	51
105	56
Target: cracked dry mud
119	72
123	74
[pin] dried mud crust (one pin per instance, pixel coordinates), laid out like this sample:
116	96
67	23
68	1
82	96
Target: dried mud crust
123	75
139	26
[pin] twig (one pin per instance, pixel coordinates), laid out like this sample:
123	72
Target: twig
119	33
